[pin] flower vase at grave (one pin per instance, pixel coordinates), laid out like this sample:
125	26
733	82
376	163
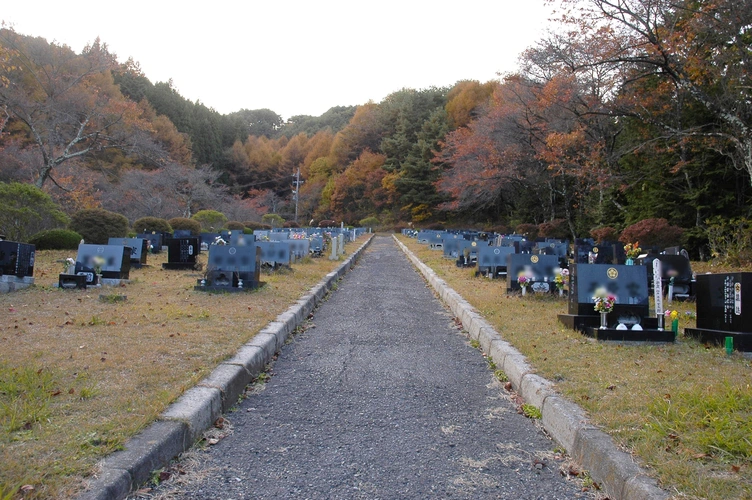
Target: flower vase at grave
72	269
524	289
675	326
99	279
604	321
630	262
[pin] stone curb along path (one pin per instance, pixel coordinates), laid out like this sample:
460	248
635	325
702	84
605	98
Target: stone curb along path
185	421
617	473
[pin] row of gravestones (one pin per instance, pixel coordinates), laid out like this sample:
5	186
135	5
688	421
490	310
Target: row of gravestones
719	297
233	265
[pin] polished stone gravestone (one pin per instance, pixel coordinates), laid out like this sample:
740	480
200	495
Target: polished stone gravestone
674	265
116	266
604	253
542	269
467	252
317	245
182	233
182	253
724	309
492	261
240	238
451	246
275	253
154	241
17	259
232	268
630	286
299	247
138	249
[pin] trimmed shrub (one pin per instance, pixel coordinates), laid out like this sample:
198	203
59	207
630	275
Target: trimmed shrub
210	220
605	233
653	233
291	224
26	210
273	220
234	225
557	228
327	223
369	222
183	224
152	224
56	239
256	225
529	231
97	225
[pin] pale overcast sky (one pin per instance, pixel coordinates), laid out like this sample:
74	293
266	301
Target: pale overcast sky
295	57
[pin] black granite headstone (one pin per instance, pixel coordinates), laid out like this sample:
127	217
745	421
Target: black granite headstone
154	241
494	259
182	233
542	269
17	259
181	253
116	265
275	253
628	283
233	263
724	309
139	249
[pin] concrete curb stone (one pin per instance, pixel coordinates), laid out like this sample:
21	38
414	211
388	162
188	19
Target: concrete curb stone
620	477
184	422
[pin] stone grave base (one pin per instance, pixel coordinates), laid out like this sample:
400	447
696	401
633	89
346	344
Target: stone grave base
581	322
646	335
179	265
248	286
742	340
72	281
11	283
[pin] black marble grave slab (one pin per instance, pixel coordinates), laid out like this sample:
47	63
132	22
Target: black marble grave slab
493	260
724	309
181	253
117	261
542	268
138	252
72	281
153	240
17	259
645	335
628	283
228	265
275	253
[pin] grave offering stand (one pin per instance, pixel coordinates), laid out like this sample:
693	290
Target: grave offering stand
721	302
629	320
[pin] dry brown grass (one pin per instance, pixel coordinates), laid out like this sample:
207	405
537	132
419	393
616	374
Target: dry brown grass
113	367
660	402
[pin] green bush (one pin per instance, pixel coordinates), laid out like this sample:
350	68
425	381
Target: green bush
151	224
256	225
369	222
234	225
183	224
273	220
56	239
210	220
97	225
26	210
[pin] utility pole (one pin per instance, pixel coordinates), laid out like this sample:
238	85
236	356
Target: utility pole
298	182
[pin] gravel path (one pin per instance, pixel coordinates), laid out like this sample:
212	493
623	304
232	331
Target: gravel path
382	397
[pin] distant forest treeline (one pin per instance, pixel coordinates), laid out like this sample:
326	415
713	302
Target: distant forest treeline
642	111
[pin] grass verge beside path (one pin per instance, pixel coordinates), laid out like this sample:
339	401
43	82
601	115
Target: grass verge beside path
684	409
81	371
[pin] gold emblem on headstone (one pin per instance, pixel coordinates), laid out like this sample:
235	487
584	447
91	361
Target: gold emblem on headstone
473	244
612	273
534	259
595	249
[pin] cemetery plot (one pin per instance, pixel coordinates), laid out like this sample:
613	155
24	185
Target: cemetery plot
232	268
492	261
182	253
275	253
629	319
541	269
115	262
721	310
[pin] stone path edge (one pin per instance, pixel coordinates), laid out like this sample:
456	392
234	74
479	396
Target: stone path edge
185	421
613	469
